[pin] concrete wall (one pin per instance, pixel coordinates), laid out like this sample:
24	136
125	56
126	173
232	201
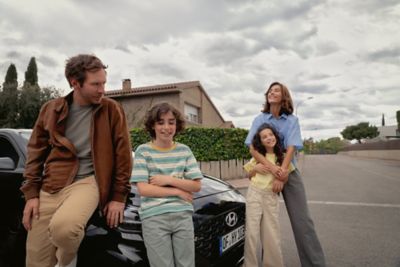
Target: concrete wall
378	154
136	107
233	169
389	149
224	169
209	117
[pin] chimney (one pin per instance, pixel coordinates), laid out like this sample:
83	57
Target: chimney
126	84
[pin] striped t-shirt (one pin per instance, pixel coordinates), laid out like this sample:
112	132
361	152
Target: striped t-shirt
177	161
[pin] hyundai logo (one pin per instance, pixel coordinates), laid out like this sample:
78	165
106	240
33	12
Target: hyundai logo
231	219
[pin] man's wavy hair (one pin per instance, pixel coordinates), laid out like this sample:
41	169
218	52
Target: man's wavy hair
258	145
287	103
154	115
77	66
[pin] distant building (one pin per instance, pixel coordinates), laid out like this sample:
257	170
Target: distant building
386	132
189	98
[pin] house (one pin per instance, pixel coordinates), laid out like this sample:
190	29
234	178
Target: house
189	98
386	132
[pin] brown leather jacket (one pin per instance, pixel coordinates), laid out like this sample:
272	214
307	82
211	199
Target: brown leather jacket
52	162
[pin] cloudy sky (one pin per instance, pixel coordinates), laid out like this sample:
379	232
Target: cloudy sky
339	58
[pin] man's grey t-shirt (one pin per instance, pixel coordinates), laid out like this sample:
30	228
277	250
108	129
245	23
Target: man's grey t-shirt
77	132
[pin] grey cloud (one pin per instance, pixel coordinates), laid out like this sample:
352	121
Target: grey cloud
256	16
307	34
47	61
235	111
387	55
371	5
223	50
319	126
123	48
314	89
320	76
168	70
10	41
13	54
326	48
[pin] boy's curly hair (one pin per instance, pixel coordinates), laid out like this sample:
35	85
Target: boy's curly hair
154	115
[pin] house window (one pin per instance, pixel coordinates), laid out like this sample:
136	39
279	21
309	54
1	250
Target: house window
191	113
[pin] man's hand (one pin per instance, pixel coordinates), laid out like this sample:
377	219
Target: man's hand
31	210
277	186
114	213
160	180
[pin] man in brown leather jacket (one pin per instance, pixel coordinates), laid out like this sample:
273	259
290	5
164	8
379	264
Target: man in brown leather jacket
79	158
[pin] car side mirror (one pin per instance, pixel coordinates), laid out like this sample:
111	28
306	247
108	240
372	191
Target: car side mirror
6	163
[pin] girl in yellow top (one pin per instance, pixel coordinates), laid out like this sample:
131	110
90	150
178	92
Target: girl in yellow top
262	202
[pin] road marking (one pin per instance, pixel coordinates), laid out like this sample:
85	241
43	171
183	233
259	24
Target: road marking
359	204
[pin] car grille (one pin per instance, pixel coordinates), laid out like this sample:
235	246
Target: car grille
207	234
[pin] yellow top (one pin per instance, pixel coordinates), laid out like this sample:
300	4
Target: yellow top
263	181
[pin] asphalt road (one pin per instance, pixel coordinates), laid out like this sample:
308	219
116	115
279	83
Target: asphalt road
355	205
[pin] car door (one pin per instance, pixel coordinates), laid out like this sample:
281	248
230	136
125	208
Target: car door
12	233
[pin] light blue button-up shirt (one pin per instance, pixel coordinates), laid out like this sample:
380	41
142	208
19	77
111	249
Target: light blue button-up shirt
287	126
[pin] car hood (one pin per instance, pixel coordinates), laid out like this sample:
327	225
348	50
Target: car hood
211	185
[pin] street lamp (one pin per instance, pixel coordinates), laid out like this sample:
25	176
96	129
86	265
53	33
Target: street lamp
301	102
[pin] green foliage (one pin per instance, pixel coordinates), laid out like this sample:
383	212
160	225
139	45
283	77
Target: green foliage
207	144
11	78
359	131
29	105
31	77
329	146
9	99
19	107
398	119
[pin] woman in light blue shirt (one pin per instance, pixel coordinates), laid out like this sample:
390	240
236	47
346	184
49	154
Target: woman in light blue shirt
278	112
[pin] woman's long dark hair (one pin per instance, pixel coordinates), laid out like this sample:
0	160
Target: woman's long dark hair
257	144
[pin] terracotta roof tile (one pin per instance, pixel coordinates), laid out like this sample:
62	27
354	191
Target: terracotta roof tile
153	89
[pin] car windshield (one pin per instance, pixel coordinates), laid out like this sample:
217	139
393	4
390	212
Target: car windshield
26	135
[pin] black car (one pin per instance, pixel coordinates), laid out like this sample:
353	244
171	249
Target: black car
218	219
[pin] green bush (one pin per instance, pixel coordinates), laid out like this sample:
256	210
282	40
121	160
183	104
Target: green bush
207	144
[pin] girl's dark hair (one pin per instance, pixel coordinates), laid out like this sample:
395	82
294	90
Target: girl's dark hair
287	102
257	144
77	66
154	115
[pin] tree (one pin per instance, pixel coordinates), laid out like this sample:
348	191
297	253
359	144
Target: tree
359	131
383	119
19	108
29	102
31	76
9	99
398	120
329	146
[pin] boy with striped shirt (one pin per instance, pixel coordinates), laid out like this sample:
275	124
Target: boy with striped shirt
166	174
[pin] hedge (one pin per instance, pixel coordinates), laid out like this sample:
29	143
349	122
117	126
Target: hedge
207	144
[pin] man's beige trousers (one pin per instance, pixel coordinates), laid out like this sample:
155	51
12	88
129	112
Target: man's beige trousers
55	237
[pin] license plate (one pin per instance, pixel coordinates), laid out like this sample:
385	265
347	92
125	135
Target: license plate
230	239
